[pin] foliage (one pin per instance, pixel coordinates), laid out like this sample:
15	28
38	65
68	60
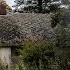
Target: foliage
19	2
37	55
4	7
42	55
38	8
60	19
17	63
2	66
55	19
8	8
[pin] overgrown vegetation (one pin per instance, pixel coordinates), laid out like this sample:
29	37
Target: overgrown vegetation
2	66
43	55
38	55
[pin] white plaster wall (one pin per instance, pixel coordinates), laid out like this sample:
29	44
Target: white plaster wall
5	56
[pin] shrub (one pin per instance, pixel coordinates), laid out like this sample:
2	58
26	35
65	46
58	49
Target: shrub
38	55
2	66
17	63
61	19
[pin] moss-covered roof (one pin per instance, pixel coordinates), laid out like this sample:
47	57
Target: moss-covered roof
16	28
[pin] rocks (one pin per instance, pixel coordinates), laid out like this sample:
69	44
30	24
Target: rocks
16	28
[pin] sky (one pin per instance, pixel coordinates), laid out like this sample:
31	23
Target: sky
10	3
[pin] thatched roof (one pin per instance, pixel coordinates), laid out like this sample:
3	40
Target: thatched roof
14	29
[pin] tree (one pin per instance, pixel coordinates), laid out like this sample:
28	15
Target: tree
3	7
40	5
37	55
19	2
8	8
65	1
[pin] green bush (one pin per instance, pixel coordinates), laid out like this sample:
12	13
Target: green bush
17	63
38	55
61	19
2	66
54	19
